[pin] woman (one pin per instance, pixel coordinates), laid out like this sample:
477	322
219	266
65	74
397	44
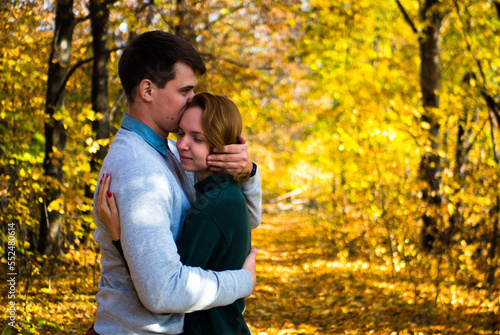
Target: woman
216	233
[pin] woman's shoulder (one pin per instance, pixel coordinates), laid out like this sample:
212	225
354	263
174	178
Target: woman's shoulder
230	193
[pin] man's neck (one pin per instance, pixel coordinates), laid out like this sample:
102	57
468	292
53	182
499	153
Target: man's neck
140	116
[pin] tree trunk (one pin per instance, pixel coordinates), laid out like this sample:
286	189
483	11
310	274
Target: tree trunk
460	169
430	165
55	133
493	260
183	27
492	255
99	19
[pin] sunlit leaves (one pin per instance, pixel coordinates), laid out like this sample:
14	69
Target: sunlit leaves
330	98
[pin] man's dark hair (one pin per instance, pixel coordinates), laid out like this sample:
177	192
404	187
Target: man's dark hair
152	55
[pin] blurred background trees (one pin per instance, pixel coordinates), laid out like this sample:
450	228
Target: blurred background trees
382	119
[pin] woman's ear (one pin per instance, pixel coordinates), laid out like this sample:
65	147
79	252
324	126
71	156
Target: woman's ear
146	90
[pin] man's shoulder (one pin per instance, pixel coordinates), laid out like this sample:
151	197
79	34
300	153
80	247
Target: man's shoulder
127	146
126	140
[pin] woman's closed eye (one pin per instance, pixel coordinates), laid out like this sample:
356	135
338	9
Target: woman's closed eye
198	140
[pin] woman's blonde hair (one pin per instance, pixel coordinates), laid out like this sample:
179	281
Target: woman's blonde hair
221	122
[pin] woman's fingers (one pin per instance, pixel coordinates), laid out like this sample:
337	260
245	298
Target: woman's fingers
110	198
102	203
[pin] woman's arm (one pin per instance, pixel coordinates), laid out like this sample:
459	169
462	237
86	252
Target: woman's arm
108	212
107	208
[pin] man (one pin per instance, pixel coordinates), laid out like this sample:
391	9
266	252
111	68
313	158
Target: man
158	72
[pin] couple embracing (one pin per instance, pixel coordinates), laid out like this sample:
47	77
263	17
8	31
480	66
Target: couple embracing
174	218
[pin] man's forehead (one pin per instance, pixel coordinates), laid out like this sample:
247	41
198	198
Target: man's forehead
184	75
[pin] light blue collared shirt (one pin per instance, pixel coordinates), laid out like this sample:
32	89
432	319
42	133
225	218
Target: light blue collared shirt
146	133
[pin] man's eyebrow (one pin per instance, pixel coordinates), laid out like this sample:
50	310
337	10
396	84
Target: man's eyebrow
187	87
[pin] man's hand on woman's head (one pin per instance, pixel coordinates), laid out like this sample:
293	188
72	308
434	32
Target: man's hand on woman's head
233	159
107	208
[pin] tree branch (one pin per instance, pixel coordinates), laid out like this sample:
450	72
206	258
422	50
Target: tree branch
230	61
475	139
211	56
229	12
117	103
493	106
407	17
427	5
144	6
74	68
109	2
469	47
82	19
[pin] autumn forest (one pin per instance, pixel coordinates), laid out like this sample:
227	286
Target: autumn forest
375	126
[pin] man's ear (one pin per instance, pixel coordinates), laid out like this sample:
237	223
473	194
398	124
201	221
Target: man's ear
146	90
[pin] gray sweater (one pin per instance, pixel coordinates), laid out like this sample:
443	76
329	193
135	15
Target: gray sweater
153	195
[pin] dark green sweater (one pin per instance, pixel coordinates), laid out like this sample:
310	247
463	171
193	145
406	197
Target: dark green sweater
216	236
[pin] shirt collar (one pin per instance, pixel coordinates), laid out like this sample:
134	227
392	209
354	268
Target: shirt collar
152	138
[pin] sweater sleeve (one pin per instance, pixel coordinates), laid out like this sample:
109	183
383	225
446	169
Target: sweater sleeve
163	284
118	246
253	195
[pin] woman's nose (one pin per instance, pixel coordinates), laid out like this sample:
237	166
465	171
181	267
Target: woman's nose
181	143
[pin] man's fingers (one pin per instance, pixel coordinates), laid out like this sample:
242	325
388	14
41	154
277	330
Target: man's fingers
229	167
232	149
220	158
232	159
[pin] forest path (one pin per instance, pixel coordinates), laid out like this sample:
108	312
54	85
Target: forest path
302	288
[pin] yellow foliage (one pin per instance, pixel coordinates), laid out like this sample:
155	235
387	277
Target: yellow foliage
332	105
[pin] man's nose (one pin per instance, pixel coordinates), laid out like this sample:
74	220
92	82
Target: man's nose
190	96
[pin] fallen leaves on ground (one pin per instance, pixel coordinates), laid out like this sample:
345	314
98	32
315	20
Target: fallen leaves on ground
303	288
